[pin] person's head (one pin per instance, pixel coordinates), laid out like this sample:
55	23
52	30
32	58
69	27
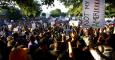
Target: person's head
32	38
41	34
37	37
85	32
102	38
91	31
43	45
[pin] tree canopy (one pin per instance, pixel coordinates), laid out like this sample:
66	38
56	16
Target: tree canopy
63	14
44	14
14	14
32	8
55	13
76	9
10	13
29	8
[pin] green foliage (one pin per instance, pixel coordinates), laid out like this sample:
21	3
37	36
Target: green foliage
11	13
55	13
109	11
111	3
14	14
29	8
63	14
76	9
43	14
75	3
2	12
47	2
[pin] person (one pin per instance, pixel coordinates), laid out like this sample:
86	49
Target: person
10	43
32	46
3	50
43	52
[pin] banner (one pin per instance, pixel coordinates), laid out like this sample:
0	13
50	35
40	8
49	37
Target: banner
86	13
93	13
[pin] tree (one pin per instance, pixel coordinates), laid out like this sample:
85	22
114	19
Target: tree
14	14
76	9
109	11
32	8
74	2
47	2
43	14
63	14
29	8
55	13
10	12
111	3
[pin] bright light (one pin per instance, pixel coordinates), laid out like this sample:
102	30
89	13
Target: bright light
57	5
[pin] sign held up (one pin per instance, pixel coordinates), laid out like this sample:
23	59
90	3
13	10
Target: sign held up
93	13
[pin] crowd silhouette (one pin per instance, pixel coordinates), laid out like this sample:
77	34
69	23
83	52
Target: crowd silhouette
21	41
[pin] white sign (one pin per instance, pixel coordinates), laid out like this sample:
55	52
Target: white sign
73	23
10	26
86	13
93	13
33	26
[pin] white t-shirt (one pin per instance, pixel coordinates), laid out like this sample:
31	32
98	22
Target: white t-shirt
86	40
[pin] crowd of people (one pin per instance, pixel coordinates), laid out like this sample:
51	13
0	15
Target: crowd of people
21	41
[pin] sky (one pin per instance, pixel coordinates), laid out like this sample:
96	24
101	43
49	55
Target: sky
57	4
